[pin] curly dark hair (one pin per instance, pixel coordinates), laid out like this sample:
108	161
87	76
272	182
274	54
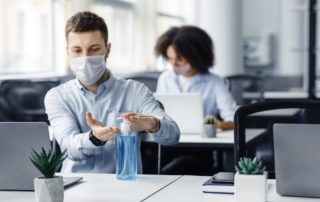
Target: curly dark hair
189	42
86	21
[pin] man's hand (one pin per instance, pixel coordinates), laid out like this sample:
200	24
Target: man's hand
139	122
100	131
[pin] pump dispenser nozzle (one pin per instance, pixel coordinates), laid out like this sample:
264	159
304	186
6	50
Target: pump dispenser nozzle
124	126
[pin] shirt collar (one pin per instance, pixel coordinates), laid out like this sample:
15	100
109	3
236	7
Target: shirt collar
107	84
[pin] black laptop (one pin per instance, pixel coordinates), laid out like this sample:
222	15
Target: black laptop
16	140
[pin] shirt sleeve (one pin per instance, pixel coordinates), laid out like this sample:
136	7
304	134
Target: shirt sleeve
225	102
65	129
161	84
169	132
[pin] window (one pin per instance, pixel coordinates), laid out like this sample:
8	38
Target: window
119	17
32	32
173	13
26	36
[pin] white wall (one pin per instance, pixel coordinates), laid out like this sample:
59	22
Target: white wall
260	16
222	20
229	21
286	20
293	37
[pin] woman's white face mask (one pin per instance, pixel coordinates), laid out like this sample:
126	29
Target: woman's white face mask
182	70
88	69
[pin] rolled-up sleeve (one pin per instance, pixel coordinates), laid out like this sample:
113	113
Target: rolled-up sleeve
225	102
168	133
65	130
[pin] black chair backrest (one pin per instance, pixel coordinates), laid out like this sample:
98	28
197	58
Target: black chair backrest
150	79
240	83
23	100
240	118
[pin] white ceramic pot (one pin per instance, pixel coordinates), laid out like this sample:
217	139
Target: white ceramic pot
49	189
250	188
209	130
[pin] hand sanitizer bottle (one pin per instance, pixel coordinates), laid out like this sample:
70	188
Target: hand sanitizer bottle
127	144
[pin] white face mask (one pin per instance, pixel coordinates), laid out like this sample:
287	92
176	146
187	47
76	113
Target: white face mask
181	70
88	69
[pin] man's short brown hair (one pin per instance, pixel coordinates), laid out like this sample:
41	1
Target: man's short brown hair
87	21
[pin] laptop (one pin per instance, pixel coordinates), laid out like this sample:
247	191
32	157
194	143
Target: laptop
184	108
16	140
297	159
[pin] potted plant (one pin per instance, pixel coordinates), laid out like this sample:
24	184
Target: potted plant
209	126
48	188
250	181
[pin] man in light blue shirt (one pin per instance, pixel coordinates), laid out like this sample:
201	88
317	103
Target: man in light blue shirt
83	112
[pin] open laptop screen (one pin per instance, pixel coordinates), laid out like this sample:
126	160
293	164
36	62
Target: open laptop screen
186	109
16	140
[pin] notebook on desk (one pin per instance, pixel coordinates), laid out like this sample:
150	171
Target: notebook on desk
219	183
16	140
186	109
297	159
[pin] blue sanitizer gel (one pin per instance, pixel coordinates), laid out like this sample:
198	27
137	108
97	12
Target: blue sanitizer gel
126	153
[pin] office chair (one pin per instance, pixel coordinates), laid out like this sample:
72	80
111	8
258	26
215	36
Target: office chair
241	83
266	152
23	100
150	79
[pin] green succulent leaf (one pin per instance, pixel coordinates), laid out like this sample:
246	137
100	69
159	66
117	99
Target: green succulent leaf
250	166
47	162
209	119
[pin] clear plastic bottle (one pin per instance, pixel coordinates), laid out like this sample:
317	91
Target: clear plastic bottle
126	152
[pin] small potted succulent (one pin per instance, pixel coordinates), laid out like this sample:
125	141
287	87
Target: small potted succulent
48	188
209	126
250	180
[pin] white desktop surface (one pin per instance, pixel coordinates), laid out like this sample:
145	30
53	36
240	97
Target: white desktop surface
285	94
223	137
189	189
276	95
102	187
277	112
105	187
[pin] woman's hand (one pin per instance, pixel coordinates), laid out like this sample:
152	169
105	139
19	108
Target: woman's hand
223	125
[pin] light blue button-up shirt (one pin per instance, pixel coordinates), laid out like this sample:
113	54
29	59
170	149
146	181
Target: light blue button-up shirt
67	104
215	95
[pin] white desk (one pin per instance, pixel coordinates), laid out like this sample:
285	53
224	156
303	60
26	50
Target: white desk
285	95
105	187
189	188
277	113
102	187
223	137
276	95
